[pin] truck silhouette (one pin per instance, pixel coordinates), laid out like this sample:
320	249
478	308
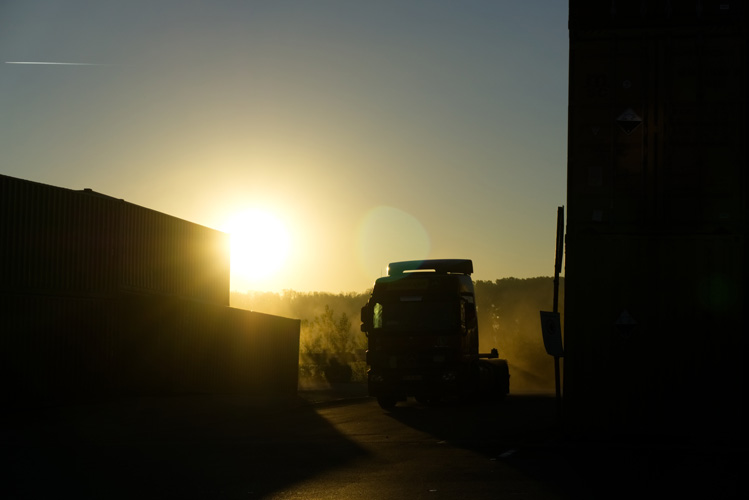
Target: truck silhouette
423	338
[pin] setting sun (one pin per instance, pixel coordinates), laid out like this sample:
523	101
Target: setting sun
260	245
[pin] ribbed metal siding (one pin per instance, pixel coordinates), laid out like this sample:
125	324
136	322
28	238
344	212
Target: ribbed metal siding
174	345
55	240
59	241
654	332
271	349
167	255
657	219
58	347
169	345
704	132
102	296
682	167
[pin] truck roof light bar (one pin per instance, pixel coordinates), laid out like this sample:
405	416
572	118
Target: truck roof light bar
441	266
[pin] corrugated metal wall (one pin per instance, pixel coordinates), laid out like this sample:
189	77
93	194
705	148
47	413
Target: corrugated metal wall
185	346
56	240
167	255
61	347
99	296
656	250
56	345
60	241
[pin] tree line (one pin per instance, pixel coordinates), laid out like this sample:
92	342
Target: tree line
332	345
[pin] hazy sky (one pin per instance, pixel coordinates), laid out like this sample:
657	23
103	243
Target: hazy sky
371	131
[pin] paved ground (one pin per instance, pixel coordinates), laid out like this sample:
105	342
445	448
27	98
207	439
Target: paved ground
153	442
322	392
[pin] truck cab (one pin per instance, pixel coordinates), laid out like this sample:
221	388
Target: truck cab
422	331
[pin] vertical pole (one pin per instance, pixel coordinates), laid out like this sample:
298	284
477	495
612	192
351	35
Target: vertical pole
557	270
559	255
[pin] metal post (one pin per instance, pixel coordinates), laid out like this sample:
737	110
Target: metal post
557	270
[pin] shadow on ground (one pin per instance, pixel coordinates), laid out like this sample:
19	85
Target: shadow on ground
484	426
523	432
168	447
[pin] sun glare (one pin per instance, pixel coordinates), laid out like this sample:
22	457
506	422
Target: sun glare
260	246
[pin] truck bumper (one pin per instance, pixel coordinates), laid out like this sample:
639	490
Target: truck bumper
432	385
483	379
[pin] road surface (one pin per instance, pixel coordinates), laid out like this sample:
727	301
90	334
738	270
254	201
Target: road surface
230	447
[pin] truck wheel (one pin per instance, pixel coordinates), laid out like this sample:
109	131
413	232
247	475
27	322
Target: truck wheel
386	402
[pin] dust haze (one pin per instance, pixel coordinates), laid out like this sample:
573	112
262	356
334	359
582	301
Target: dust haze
332	347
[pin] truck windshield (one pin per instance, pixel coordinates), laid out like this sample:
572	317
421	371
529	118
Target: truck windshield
416	316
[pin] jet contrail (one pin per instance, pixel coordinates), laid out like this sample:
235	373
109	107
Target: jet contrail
52	63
